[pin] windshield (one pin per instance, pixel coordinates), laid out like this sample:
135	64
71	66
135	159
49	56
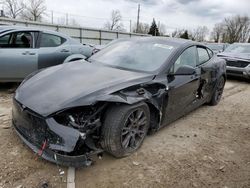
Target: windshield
238	48
134	55
215	46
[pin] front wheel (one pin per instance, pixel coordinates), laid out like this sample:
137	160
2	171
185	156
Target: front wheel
218	91
125	128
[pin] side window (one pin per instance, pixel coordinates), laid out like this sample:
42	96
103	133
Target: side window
23	40
17	40
5	41
188	57
202	55
49	40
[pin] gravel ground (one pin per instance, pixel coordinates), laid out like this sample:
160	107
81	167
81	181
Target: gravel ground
209	147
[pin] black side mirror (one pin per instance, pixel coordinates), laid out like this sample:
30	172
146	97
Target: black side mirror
185	70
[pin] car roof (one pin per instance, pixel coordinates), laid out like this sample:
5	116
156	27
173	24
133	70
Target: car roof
6	28
168	40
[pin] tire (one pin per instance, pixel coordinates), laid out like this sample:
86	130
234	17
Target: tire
216	97
122	135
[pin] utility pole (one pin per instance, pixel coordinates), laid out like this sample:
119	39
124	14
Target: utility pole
130	26
138	18
52	17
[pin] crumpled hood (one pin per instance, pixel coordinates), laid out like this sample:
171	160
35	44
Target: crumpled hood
74	84
245	56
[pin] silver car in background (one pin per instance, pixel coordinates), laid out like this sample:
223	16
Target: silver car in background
217	47
25	50
237	57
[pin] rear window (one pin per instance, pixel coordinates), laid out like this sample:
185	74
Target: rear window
49	40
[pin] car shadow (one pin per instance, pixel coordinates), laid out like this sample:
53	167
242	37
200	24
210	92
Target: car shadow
9	87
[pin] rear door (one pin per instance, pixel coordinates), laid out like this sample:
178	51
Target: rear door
18	55
182	88
53	50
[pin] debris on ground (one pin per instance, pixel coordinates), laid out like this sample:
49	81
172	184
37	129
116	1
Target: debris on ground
222	168
136	163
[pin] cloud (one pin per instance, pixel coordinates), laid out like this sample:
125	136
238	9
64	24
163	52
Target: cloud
186	1
145	2
173	13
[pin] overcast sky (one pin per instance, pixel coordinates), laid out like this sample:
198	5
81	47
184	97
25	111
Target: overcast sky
186	14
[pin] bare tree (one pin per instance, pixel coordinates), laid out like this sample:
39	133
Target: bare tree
199	34
177	33
236	29
217	32
115	22
13	8
34	10
142	28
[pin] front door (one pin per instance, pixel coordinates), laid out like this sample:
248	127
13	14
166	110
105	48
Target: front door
182	89
18	55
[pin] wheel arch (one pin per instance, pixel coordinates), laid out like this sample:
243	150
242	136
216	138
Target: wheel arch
74	57
155	113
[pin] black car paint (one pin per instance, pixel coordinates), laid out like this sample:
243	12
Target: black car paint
168	96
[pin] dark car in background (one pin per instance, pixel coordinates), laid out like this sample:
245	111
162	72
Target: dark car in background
69	112
217	47
237	57
25	50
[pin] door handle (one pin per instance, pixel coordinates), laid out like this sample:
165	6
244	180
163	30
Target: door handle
64	50
28	53
25	53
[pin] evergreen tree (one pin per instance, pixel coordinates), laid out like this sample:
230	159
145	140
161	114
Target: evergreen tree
184	35
154	29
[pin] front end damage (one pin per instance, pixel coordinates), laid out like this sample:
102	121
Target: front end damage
72	136
68	138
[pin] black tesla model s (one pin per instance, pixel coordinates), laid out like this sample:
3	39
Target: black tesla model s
110	102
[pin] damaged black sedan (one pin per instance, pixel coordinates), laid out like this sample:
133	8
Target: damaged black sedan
132	87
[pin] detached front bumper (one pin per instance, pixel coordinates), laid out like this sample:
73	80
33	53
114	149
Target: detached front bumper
49	155
239	72
61	141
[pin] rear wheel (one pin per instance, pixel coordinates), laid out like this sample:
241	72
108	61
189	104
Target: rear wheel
125	128
218	91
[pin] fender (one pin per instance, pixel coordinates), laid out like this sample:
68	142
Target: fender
74	57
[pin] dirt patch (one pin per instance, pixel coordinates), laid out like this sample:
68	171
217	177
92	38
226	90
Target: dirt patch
18	166
209	147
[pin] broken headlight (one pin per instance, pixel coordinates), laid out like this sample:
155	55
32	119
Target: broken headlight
85	119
